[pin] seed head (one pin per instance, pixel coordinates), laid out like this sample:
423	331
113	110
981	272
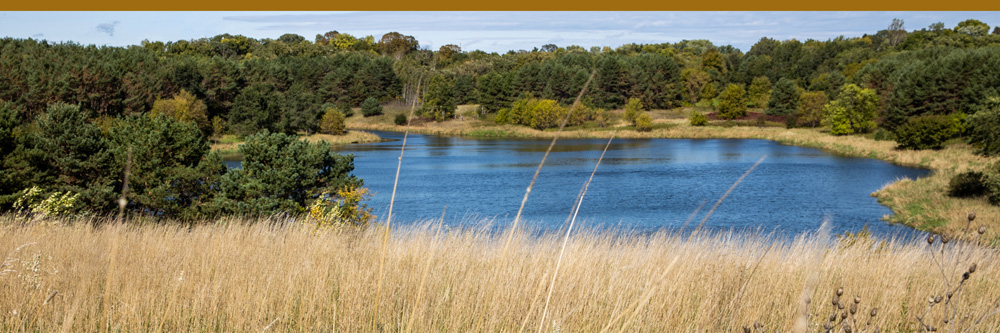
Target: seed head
843	315
946	320
854	308
840	306
965	276
948	294
847	328
938	299
836	300
972	268
840	291
833	317
972	216
857	299
982	229
827	326
874	311
930	299
944	239
930	239
746	329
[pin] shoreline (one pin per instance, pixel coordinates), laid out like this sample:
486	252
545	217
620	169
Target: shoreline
922	204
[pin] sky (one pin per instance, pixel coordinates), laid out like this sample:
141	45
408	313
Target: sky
487	31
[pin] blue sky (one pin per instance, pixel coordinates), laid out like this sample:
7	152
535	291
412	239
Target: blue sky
487	31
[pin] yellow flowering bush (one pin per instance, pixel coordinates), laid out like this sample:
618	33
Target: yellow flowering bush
344	209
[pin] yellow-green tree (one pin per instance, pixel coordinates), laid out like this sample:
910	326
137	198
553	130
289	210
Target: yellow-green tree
186	108
732	102
332	122
632	110
853	111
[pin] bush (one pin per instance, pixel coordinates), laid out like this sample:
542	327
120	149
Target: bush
698	119
370	107
400	119
967	184
925	132
632	110
792	121
883	135
984	128
332	123
644	123
732	102
346	110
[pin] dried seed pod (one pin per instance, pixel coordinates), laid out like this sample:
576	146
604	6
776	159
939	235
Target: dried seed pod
857	299
836	300
843	315
938	299
972	216
930	299
944	239
847	328
930	239
746	329
982	229
827	326
965	276
840	291
833	317
948	294
874	311
854	308
946	320
972	268
840	306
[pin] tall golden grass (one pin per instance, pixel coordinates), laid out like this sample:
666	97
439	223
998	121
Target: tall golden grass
248	275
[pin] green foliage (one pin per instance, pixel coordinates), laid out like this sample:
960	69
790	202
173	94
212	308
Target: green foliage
347	208
439	102
400	119
76	157
694	81
698	119
967	184
494	91
345	109
784	98
853	111
644	122
55	204
984	128
925	132
282	174
882	134
972	27
184	107
759	92
708	92
810	108
171	172
219	126
371	107
732	102
633	108
257	108
332	123
544	113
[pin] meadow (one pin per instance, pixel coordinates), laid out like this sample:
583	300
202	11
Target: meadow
273	275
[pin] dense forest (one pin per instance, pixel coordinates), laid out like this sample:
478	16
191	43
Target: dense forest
99	121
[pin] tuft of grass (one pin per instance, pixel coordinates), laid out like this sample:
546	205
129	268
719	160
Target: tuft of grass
248	274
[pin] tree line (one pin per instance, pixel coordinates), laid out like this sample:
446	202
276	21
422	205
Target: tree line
69	110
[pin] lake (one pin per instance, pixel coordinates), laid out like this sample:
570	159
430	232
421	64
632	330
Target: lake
641	185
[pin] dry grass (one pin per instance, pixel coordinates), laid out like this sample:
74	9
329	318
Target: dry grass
230	143
922	204
233	276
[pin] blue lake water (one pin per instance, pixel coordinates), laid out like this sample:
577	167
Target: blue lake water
642	184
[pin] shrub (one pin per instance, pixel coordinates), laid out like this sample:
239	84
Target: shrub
644	123
925	132
632	110
984	128
967	184
992	184
792	121
883	135
346	110
698	119
332	123
732	102
400	119
370	107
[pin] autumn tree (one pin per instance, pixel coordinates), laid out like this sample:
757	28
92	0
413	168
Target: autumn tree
186	108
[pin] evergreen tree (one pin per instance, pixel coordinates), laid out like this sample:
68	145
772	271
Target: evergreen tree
784	98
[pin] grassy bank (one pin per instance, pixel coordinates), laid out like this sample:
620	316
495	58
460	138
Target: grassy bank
922	204
228	144
235	276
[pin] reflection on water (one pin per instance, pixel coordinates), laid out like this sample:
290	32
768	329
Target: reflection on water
642	184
